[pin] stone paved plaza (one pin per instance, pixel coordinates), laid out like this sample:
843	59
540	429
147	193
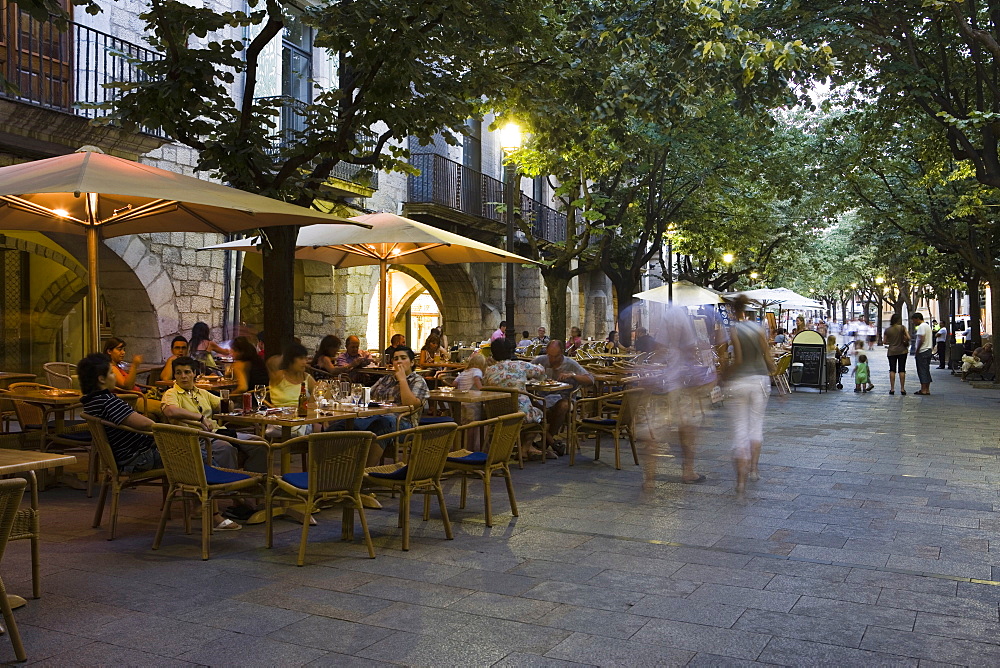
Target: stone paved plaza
868	541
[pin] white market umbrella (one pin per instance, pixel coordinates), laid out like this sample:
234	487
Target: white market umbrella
685	294
101	196
392	239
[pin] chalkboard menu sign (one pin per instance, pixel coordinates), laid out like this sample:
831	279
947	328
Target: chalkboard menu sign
809	349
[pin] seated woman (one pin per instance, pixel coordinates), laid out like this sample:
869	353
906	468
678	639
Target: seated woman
514	374
325	358
575	340
613	343
125	380
286	384
431	354
202	347
249	369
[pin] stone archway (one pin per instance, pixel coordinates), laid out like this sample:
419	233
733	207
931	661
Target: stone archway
461	311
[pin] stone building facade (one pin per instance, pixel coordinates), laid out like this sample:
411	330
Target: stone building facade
156	286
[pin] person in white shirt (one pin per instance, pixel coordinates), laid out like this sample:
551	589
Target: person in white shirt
941	339
923	343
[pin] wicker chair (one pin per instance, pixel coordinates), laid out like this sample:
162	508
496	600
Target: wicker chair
191	478
609	418
61	375
336	470
495	461
427	448
111	476
11	492
34	418
501	407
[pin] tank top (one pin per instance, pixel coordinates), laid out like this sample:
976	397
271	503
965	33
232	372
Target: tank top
753	363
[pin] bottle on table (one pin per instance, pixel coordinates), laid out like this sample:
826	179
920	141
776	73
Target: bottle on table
303	409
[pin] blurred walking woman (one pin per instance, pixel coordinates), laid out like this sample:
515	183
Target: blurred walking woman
897	338
749	388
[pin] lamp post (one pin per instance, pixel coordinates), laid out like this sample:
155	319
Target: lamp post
510	141
671	231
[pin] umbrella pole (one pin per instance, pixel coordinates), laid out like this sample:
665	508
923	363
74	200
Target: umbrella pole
383	297
93	339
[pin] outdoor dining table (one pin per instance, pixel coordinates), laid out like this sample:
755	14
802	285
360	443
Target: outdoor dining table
58	400
602	380
455	399
14	462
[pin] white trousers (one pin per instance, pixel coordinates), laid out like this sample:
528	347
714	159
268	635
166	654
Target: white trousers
747	403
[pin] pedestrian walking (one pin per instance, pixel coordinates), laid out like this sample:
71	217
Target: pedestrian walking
897	338
923	341
749	383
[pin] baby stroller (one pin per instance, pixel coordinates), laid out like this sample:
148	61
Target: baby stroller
842	364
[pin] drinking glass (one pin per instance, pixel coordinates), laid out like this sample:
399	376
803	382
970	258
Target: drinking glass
260	391
345	391
357	391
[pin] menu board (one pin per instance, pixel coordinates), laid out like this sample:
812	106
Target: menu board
813	360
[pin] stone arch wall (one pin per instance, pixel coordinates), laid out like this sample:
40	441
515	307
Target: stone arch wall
458	299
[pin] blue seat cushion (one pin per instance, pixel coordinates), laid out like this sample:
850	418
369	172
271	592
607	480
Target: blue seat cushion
398	474
472	458
218	477
601	421
300	480
438	419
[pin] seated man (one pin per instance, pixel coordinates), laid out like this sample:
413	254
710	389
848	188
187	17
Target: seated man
395	341
353	359
188	405
566	370
644	343
133	452
980	361
178	348
542	337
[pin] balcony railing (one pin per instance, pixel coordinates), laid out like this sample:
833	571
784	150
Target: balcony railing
445	182
63	70
291	126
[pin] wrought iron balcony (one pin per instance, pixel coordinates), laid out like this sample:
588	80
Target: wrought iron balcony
447	183
62	70
291	126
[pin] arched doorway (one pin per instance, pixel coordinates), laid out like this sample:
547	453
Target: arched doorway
413	308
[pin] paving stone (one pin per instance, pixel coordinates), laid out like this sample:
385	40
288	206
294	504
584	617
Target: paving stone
717	575
683	610
249	651
242	617
423	650
856	593
790	652
334	635
491	581
600	651
699	638
101	653
586	596
935	648
638	582
958	627
490	604
593	622
549	570
859	612
945	605
630	564
747	598
324	602
409	591
525	660
801	627
799	569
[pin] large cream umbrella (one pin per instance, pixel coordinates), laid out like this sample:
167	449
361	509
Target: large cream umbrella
392	239
101	196
685	294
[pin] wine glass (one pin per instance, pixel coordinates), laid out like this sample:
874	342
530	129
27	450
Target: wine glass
260	391
345	391
357	391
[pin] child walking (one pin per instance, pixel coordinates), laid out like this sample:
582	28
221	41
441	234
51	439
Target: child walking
862	377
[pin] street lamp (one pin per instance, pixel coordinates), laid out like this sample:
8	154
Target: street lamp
728	258
671	231
510	141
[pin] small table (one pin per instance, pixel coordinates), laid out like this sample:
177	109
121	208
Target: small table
8	377
455	399
13	462
57	399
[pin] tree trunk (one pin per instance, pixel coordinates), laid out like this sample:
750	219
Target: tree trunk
944	309
279	288
843	310
878	327
556	285
975	313
624	289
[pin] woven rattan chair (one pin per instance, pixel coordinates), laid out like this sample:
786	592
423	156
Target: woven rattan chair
426	451
11	492
501	407
336	470
608	418
495	461
60	374
111	476
191	478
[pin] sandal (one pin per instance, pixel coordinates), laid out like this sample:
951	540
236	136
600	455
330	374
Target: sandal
903	392
227	525
695	481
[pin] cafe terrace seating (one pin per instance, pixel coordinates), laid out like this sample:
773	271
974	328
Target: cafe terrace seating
11	491
609	417
336	469
191	478
426	449
499	407
111	476
505	434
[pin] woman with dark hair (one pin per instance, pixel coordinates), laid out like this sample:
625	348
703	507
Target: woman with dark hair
202	346
575	340
514	374
115	349
430	354
287	382
612	344
897	339
326	354
249	369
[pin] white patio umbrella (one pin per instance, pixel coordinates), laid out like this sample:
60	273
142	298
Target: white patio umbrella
685	294
392	239
102	196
